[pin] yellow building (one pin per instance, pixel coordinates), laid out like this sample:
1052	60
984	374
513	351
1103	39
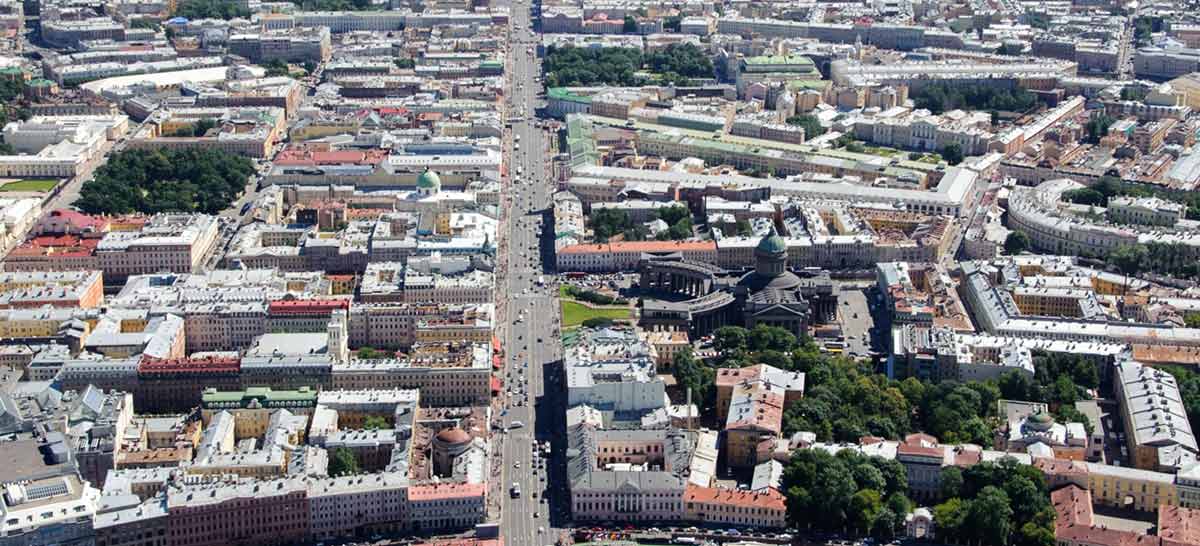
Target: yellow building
1189	85
1124	487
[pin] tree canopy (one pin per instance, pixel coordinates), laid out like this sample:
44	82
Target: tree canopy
211	9
342	462
1016	243
607	223
811	125
679	218
952	153
939	97
995	503
675	64
152	181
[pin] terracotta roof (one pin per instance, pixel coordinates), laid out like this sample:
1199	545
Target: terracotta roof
438	491
769	499
1060	467
1178	525
640	246
454	435
151	365
766	412
1073	504
1166	354
1075	523
728	377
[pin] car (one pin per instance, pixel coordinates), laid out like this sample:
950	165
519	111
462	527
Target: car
516	424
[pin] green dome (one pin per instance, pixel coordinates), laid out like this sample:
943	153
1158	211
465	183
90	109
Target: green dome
772	244
1041	421
429	179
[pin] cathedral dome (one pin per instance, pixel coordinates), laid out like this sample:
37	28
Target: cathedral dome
429	180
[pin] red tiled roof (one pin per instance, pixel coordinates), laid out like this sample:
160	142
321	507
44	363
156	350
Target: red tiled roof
464	542
728	377
77	218
1060	467
439	491
640	246
306	156
766	411
208	365
1178	525
1075	522
769	499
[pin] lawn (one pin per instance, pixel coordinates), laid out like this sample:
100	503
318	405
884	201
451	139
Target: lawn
573	313
42	186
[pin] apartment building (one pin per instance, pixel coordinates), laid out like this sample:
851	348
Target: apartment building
296	45
765	509
270	512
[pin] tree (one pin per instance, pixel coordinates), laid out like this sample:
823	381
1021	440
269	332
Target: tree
1016	243
165	180
951	483
692	374
1085	196
197	129
1015	385
744	229
1097	127
630	25
370	353
609	222
342	462
211	9
864	508
950	517
939	97
672	23
573	66
1128	259
1133	93
952	153
885	524
145	23
731	339
679	218
376	422
764	337
685	61
276	67
811	125
405	63
990	516
310	67
598	322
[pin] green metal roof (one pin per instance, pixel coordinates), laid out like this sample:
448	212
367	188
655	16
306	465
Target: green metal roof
264	395
564	94
778	59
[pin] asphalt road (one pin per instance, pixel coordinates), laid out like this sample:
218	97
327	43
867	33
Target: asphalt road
528	312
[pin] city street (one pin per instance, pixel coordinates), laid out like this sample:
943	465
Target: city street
527	309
